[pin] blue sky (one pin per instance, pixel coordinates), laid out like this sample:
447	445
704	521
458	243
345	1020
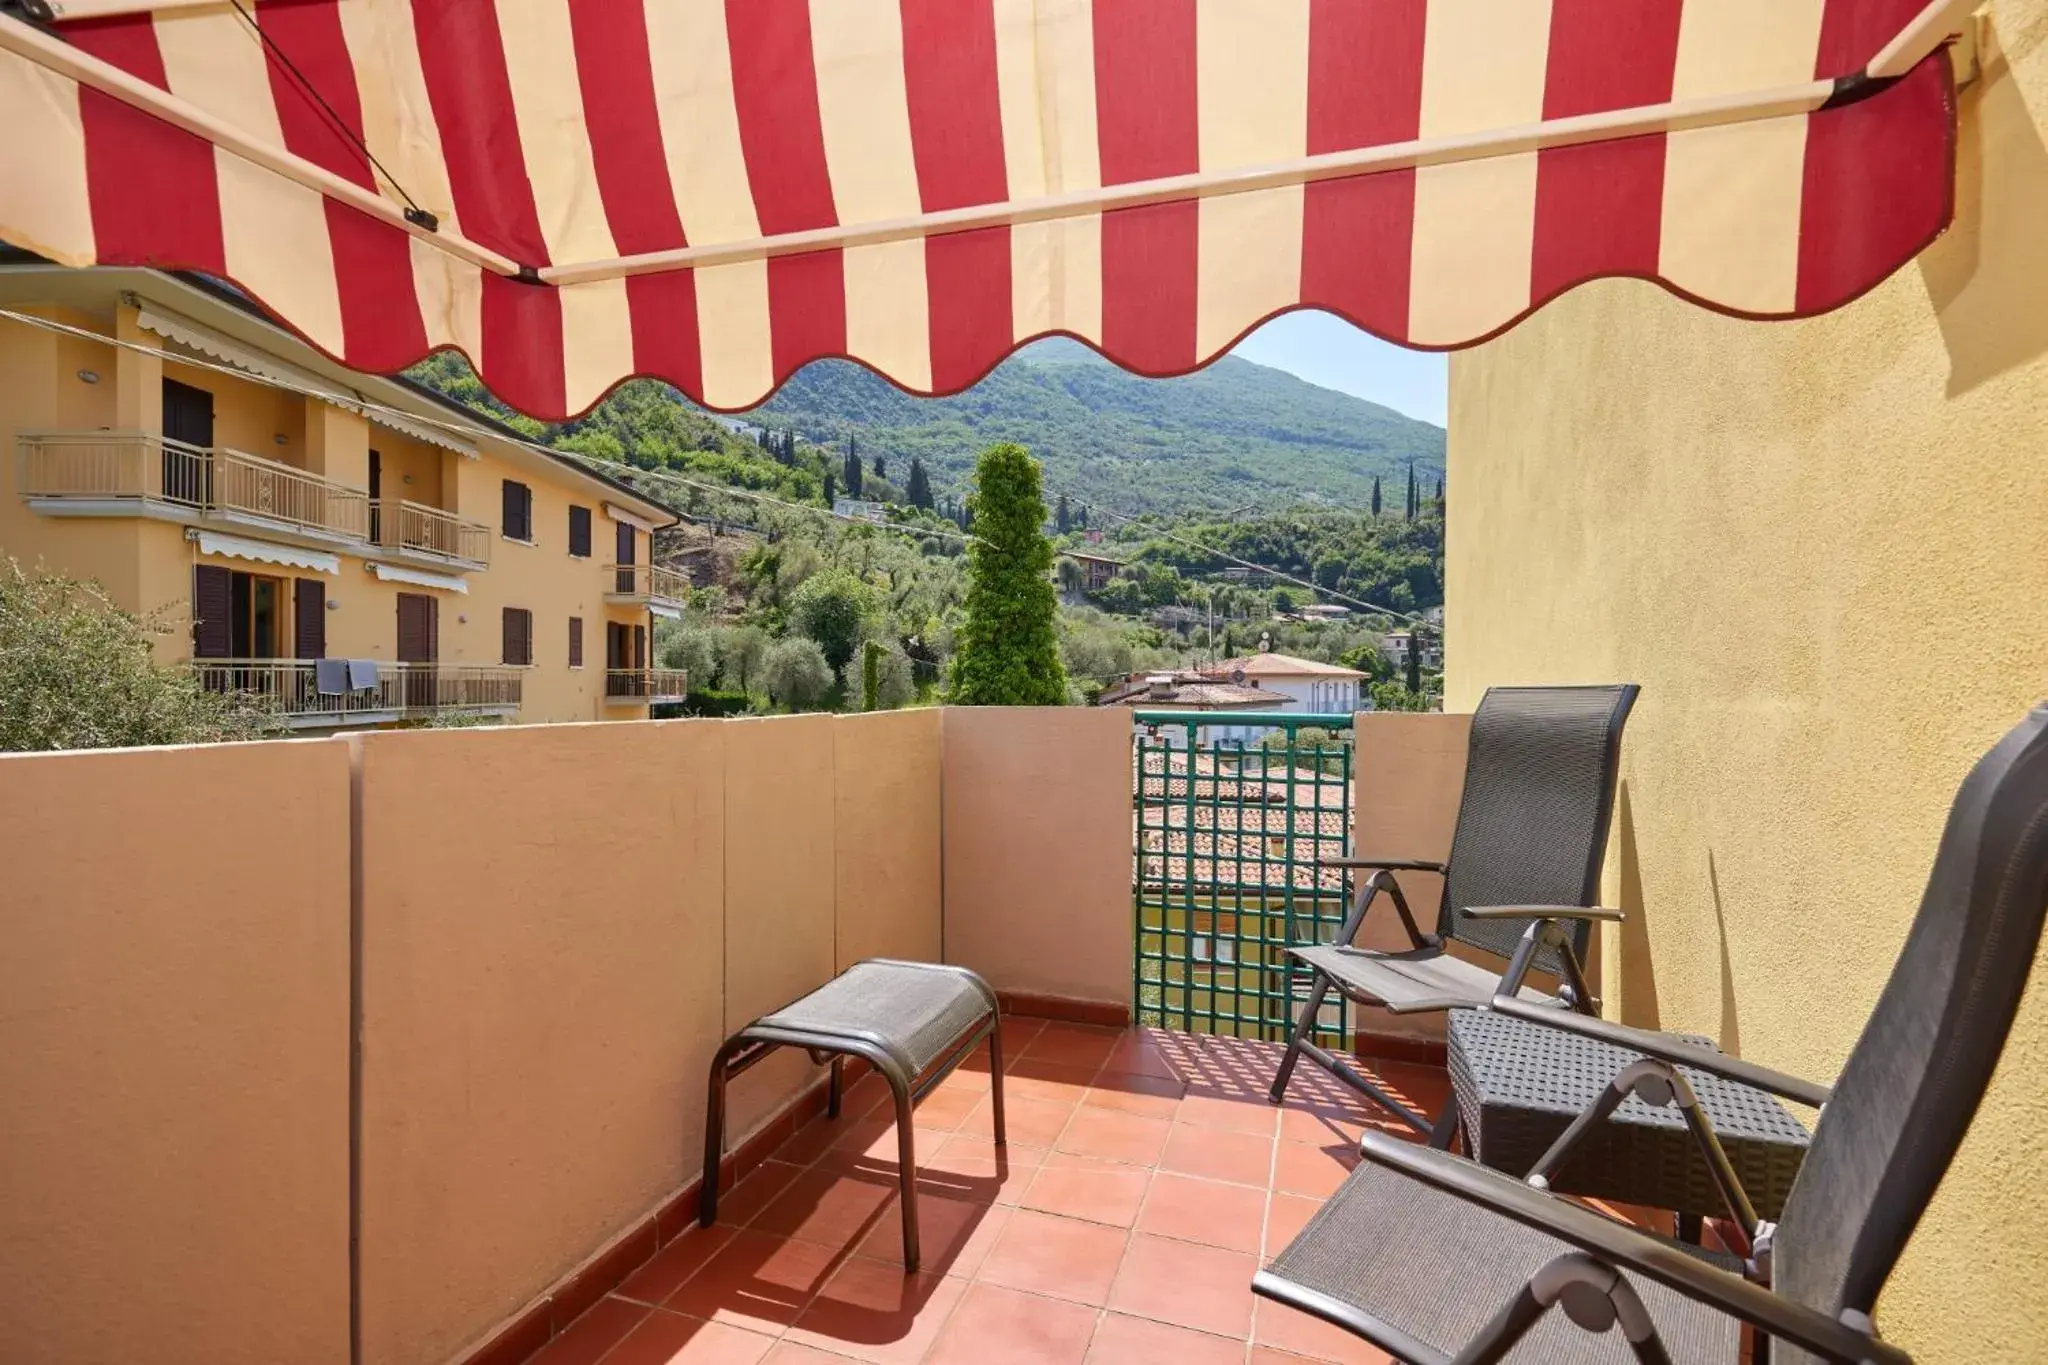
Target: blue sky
1326	350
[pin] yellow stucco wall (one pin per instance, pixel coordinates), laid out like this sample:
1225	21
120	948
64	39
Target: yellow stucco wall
1822	548
146	565
174	1049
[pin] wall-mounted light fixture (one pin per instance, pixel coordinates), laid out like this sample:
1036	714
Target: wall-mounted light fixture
88	376
333	604
282	439
462	620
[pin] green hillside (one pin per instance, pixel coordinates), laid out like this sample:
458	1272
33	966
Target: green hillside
1233	434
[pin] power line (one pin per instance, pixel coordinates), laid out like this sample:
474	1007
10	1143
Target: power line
351	399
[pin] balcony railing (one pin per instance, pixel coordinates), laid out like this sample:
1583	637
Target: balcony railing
145	468
429	530
646	583
411	690
645	684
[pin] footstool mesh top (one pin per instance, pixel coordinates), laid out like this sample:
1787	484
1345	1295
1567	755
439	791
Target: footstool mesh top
1536	1068
918	1012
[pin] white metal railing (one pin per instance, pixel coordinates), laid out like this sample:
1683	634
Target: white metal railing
650	581
409	689
144	467
646	684
416	526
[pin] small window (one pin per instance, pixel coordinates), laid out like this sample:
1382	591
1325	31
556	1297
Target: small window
518	635
518	524
576	635
579	532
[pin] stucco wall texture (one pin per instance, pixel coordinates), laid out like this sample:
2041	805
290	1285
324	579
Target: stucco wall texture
1822	548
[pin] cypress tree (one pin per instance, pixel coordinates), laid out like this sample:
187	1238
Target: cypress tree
1411	490
1008	649
851	473
919	487
831	489
1062	518
881	468
1375	495
1415	660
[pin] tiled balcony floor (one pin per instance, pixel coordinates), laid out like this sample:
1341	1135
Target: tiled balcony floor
1146	1178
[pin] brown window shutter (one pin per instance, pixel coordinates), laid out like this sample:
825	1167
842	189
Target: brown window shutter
510	651
639	646
579	532
518	520
309	617
213	608
575	642
625	543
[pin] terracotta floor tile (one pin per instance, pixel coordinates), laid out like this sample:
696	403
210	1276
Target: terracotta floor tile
1323	1125
1244	1158
1266	1355
1072	1045
829	1205
1140	1053
875	1312
969	1167
670	1339
758	1282
1286	1216
1121	1340
1061	1257
1153	1097
1114	1136
1052	1082
1033	1122
813	1140
997	1326
1090	1188
743	1203
1206	1211
1280	1326
1246	1114
872	1143
1314	1171
947	1109
863	1097
962	1081
1206	1288
796	1353
954	1234
673	1264
601	1327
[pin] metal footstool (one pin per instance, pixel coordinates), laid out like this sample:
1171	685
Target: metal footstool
912	1021
1518	1086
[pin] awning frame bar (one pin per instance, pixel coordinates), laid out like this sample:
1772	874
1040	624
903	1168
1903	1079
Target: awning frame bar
1939	22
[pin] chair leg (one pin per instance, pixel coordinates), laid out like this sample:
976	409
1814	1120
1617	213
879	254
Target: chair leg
838	1090
714	1140
906	1171
1446	1127
995	1078
1303	1026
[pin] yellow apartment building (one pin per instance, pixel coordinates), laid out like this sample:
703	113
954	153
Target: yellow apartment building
373	555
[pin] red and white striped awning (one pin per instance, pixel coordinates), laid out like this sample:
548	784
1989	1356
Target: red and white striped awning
716	192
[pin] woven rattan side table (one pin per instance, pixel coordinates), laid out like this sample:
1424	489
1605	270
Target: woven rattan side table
1642	1155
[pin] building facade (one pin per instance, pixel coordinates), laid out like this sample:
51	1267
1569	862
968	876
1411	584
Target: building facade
356	548
1320	688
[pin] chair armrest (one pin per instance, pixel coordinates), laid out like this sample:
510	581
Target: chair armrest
1384	864
1668	1049
1599	912
1626	1248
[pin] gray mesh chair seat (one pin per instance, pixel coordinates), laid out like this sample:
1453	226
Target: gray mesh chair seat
1431	1256
913	1011
1422	1272
914	1022
1425	979
1520	881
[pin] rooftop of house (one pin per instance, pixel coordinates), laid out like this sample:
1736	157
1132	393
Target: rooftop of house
1284	666
1203	691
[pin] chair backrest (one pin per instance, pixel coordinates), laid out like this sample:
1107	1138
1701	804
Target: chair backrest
1539	796
1912	1084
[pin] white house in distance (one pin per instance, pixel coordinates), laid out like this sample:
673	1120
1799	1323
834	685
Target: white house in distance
1316	687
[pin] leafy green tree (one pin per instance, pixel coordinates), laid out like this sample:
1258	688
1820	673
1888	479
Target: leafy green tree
1006	652
76	672
833	607
895	679
870	675
1392	696
1367	658
918	490
695	651
881	467
1073	578
740	652
795	673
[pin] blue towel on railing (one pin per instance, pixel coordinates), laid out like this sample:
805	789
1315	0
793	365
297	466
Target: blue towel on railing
330	677
362	675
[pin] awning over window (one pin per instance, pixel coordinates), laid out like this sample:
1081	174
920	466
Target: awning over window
265	552
718	191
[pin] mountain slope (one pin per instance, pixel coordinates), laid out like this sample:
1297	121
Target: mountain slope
1233	434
